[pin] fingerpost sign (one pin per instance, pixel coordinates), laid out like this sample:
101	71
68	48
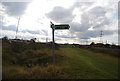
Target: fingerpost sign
56	27
62	26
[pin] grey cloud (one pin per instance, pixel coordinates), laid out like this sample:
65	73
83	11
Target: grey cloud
32	32
56	39
94	18
79	4
45	32
10	28
13	28
76	27
61	15
15	8
88	18
98	11
64	36
94	34
2	20
43	38
85	37
119	10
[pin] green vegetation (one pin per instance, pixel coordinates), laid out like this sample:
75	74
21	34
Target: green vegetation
34	61
81	63
29	61
35	72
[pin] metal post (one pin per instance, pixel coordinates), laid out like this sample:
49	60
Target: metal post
53	47
53	43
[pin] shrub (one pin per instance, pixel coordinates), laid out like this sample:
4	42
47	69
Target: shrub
35	72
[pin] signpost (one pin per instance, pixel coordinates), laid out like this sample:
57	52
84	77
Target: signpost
56	27
63	26
53	46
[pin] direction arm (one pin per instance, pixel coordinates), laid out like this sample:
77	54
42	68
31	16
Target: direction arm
52	25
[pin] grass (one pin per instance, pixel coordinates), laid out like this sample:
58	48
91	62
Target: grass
84	64
34	61
36	72
29	63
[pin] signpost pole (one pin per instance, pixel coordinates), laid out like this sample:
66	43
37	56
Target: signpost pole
53	46
56	27
53	43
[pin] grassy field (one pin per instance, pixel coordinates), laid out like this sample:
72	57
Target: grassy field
34	61
84	64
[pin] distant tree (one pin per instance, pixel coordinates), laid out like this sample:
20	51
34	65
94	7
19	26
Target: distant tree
33	40
33	44
92	43
107	45
5	38
113	45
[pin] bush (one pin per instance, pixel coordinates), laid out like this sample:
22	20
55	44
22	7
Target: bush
36	72
29	61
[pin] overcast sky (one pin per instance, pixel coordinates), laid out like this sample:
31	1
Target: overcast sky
86	19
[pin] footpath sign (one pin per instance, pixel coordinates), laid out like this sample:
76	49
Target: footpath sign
62	26
56	27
